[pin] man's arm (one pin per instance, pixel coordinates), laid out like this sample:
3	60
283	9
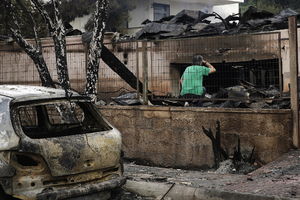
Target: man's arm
207	64
180	83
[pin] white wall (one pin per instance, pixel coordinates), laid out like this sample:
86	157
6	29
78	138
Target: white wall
226	10
176	7
144	9
80	22
139	14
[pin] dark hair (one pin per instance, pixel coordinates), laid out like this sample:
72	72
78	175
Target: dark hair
197	60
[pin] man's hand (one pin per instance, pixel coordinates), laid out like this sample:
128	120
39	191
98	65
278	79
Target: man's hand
207	64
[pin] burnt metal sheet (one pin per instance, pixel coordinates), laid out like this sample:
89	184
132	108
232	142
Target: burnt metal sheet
77	153
81	190
29	93
6	170
8	138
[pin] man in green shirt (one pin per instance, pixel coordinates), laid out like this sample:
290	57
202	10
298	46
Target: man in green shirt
192	78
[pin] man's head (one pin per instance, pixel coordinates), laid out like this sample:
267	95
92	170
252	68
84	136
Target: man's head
197	60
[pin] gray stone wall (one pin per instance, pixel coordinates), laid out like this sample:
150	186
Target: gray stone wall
172	137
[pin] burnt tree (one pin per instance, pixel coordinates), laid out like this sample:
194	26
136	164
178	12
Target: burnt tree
95	48
219	153
34	52
58	32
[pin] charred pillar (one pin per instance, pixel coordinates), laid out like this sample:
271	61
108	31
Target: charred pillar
293	42
145	73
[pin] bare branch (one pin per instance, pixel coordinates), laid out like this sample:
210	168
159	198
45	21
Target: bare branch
34	27
58	33
32	52
57	15
44	14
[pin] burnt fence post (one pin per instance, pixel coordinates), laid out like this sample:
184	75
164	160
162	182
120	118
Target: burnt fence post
145	73
293	42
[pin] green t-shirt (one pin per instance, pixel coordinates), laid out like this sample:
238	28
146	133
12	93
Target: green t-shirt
192	79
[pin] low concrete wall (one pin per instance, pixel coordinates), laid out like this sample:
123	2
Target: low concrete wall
173	137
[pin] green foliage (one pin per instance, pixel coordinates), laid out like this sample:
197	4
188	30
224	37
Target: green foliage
70	9
3	13
274	6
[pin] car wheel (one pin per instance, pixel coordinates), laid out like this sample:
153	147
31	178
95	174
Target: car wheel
116	194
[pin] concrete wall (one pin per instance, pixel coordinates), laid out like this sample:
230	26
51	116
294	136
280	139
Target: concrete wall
172	137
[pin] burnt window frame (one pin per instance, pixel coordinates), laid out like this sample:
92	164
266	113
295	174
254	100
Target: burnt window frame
88	107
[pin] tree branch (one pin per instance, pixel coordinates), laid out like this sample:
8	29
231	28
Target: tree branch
34	27
44	14
32	52
58	33
96	47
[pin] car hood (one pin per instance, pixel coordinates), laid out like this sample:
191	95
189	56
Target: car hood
77	153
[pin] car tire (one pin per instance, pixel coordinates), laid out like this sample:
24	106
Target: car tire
116	194
122	165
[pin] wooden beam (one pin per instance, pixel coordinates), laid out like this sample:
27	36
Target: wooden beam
293	42
117	66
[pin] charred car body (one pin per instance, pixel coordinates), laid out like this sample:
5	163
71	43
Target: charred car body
54	147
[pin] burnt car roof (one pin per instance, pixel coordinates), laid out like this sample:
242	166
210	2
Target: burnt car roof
30	93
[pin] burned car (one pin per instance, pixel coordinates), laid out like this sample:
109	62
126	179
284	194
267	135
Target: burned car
55	146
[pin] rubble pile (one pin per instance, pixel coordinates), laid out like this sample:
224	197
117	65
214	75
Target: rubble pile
245	95
190	23
248	96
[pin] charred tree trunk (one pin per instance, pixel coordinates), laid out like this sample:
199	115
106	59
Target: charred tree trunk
58	33
37	57
219	152
59	38
96	48
35	53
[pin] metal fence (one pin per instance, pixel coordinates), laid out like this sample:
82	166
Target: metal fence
252	60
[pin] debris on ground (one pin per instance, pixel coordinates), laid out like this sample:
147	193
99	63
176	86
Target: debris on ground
277	180
240	162
129	99
122	194
226	167
244	95
248	96
188	23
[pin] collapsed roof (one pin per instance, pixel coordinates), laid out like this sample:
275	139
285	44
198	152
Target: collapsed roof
189	23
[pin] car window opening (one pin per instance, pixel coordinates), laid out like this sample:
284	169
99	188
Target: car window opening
60	119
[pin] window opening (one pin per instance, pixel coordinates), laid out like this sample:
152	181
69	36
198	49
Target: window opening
61	118
161	11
